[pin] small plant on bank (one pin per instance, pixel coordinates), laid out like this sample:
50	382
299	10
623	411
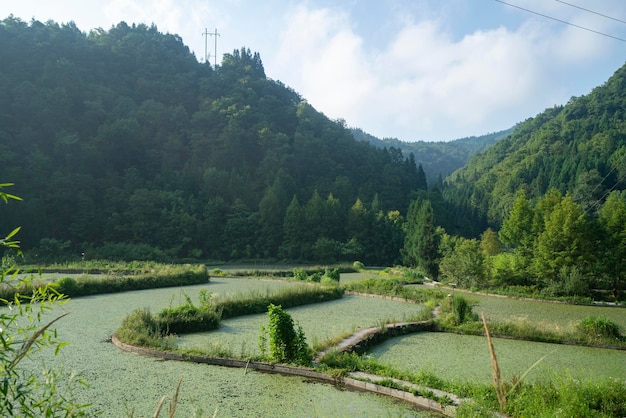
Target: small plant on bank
456	311
300	275
330	278
217	272
286	340
142	329
599	328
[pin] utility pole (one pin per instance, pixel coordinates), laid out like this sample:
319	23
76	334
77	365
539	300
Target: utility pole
215	51
206	38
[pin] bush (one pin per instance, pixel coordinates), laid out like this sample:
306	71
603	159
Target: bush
299	274
333	274
358	265
599	327
327	281
287	342
188	318
67	286
463	310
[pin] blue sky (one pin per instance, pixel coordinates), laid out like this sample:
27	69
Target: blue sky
411	69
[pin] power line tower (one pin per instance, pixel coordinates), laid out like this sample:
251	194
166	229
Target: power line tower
206	35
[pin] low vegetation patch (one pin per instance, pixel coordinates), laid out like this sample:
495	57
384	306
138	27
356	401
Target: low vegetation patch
304	272
164	276
395	288
561	396
207	315
594	331
600	329
132	277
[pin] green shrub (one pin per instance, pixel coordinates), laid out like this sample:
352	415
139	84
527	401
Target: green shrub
287	343
141	328
333	274
156	277
316	277
67	286
393	287
413	276
599	327
463	310
299	274
358	265
188	318
327	281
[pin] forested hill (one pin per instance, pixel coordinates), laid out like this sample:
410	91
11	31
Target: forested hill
579	148
123	145
438	159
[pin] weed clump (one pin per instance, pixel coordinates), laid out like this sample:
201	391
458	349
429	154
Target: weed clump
598	328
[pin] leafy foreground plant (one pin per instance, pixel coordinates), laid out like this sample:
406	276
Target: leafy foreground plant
22	334
287	343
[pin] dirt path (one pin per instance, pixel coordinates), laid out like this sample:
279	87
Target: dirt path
363	338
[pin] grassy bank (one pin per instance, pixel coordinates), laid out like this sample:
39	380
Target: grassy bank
125	277
143	328
560	396
395	287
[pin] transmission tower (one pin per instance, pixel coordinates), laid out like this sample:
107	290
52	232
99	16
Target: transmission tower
206	35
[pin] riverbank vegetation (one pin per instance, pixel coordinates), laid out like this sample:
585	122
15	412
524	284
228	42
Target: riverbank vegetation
210	310
560	395
454	314
120	277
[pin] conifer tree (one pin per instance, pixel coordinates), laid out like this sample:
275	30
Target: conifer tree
421	244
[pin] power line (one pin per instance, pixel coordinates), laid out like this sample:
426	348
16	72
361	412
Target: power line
563	21
591	11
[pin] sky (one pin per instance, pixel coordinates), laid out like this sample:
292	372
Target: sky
431	70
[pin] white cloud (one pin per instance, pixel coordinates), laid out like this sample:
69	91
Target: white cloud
419	87
426	83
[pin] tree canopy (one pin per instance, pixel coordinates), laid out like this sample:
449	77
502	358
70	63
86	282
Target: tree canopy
122	143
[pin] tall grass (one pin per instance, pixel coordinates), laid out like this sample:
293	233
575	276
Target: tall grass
149	276
206	316
561	396
164	276
590	331
393	287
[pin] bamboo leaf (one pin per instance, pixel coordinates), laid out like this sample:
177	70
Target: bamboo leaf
12	233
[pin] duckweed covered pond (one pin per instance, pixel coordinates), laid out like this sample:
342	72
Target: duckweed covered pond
122	383
319	322
561	314
466	358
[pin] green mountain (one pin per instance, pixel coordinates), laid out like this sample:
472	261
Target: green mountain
438	159
124	146
578	148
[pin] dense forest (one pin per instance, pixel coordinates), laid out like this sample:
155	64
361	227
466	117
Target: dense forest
554	192
124	146
438	159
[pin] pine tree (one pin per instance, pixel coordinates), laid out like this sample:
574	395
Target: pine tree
421	244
